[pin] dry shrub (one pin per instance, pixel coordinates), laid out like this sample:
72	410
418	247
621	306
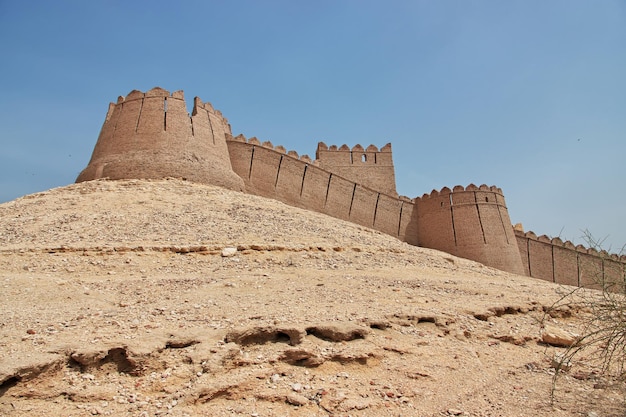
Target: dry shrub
601	345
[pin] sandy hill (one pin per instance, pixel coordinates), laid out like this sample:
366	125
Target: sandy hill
146	298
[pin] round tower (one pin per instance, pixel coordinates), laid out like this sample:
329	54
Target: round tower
151	135
470	222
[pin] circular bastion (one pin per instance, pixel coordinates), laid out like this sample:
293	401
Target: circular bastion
151	135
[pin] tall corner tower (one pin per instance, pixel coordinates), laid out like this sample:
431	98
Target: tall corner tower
371	167
151	135
470	222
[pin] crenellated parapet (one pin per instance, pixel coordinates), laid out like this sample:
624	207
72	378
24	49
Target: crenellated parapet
268	145
482	193
562	262
356	154
216	119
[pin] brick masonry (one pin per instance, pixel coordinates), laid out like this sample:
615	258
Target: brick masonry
151	135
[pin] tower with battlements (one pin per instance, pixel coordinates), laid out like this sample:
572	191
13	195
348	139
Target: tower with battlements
370	167
471	222
151	135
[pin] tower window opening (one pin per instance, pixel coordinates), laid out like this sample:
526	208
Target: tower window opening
364	158
487	199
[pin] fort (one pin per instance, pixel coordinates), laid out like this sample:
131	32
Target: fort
151	135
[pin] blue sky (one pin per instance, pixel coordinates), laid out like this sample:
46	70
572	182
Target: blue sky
526	95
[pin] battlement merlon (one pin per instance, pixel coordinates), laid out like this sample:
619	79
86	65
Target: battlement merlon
357	155
154	92
214	115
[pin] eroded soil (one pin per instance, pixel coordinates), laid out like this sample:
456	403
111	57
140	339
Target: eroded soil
117	300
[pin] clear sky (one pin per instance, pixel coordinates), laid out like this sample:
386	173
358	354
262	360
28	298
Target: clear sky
526	95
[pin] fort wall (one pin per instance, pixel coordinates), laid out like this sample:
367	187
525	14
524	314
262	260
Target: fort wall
298	181
151	135
563	263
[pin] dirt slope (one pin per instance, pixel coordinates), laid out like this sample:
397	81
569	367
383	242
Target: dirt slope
119	299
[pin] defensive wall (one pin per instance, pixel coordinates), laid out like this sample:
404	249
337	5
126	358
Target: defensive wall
560	262
299	181
151	135
471	222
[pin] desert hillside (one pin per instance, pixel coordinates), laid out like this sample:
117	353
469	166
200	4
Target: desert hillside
168	298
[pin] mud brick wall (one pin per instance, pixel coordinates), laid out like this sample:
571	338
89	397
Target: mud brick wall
369	167
560	262
298	181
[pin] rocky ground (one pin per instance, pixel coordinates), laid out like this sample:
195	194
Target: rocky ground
166	298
